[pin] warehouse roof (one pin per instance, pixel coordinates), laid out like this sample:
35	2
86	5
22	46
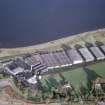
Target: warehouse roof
86	54
50	60
32	61
57	56
97	53
46	58
20	63
103	48
38	58
15	70
74	56
55	62
62	58
33	79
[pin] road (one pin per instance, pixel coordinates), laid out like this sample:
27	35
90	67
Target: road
9	82
4	83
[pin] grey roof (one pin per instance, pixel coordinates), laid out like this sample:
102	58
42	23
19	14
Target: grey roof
103	48
55	62
86	54
31	60
57	56
97	53
46	59
15	70
62	58
74	56
39	67
12	66
55	59
20	63
49	59
16	66
65	58
42	69
38	58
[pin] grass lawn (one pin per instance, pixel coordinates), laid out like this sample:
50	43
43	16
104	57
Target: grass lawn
78	76
99	68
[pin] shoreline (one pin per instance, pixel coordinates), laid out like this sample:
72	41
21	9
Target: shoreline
81	39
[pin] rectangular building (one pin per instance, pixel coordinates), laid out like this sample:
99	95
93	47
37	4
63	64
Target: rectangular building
38	58
57	56
74	56
97	53
14	71
32	80
62	58
103	48
47	60
50	60
32	62
66	59
20	63
86	54
55	62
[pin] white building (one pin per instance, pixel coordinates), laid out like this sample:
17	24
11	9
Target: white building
33	79
50	60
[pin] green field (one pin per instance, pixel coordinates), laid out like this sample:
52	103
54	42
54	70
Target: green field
78	76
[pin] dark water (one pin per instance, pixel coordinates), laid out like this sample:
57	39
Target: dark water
28	22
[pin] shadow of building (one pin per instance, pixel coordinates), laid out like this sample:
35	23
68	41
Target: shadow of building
91	76
98	43
88	45
65	47
77	46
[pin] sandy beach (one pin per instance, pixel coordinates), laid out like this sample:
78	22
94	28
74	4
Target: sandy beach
81	39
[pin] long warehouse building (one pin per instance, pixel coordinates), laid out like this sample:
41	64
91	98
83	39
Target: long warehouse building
88	57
